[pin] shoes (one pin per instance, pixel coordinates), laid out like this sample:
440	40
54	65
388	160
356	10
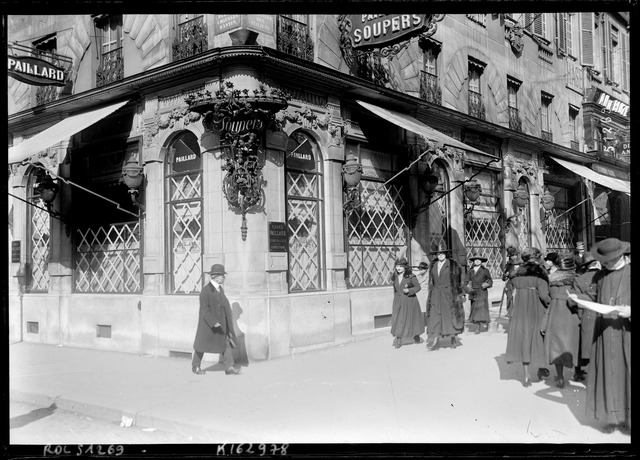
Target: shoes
417	339
543	373
478	330
560	382
579	377
232	370
432	344
395	342
526	382
197	370
454	343
398	342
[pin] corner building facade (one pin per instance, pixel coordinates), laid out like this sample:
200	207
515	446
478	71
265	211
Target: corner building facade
509	102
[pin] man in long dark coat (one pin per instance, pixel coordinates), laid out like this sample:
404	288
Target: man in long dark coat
445	312
477	282
215	332
609	377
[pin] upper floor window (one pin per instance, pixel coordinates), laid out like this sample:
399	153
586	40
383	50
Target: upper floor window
476	104
46	48
564	34
429	84
478	19
191	36
513	86
111	66
536	23
546	116
293	36
573	127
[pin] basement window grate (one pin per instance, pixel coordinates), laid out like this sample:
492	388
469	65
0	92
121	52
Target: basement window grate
104	331
33	327
381	321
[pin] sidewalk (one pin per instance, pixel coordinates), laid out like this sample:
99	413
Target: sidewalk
361	392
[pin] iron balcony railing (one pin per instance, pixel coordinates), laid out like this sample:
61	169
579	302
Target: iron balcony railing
429	88
547	136
515	122
293	38
476	106
111	68
191	39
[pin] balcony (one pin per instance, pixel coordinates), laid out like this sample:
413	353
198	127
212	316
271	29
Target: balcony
575	145
476	106
429	88
547	136
515	123
46	94
293	39
191	39
111	68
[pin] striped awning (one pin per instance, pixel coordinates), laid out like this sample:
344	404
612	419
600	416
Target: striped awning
606	181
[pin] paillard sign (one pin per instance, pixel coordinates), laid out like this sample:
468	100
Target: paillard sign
35	71
378	30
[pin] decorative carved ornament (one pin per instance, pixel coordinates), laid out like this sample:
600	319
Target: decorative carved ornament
515	168
307	117
514	34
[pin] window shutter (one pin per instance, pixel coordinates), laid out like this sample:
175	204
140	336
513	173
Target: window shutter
561	32
586	39
538	25
607	66
624	38
528	19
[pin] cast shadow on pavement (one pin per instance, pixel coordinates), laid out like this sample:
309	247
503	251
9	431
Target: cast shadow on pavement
513	371
34	415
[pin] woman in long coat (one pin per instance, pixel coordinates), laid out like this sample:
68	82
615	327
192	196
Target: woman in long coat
530	299
562	329
445	311
407	320
477	281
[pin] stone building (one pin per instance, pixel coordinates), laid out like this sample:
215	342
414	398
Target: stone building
306	153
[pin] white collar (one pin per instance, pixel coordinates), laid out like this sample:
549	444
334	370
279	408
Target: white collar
216	285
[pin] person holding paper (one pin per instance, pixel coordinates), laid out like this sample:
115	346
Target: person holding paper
562	329
530	300
609	378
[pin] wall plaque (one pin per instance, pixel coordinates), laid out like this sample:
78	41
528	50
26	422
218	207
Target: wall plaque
224	22
15	252
260	23
278	239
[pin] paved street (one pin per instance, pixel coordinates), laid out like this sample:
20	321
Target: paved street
360	392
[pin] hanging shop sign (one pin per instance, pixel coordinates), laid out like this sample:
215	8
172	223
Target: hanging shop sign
278	239
35	71
378	30
608	103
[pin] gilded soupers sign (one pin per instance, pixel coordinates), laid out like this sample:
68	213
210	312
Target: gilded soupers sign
378	30
34	71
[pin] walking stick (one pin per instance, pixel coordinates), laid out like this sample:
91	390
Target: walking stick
504	289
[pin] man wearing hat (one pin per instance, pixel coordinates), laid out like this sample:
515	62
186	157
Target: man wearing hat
477	281
579	253
445	311
215	332
609	377
513	262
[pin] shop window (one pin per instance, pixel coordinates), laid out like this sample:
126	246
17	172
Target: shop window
111	66
184	209
558	224
191	36
39	237
108	256
513	86
293	36
482	226
545	112
304	213
429	84
601	212
476	104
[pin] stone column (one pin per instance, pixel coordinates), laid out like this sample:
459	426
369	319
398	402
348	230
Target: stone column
154	265
17	234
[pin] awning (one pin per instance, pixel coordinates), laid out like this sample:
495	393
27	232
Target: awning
609	182
409	123
58	132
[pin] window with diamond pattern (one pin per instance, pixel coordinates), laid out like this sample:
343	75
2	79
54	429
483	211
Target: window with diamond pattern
558	224
184	192
304	211
38	226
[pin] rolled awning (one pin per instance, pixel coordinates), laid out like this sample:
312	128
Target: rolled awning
60	131
411	124
606	181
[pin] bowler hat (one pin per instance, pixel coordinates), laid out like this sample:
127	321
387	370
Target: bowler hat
217	269
530	253
610	249
442	247
552	256
566	262
478	256
511	251
402	261
587	258
579	245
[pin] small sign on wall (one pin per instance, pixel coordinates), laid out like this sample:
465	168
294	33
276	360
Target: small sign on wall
278	240
15	251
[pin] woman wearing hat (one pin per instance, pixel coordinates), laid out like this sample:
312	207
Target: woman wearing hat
551	262
530	299
513	262
477	281
609	377
407	320
562	328
585	288
445	311
422	275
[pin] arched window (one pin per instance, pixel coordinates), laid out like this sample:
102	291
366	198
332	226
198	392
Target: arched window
304	213
38	232
184	208
439	210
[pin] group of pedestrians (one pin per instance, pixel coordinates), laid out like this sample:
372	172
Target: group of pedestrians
548	325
